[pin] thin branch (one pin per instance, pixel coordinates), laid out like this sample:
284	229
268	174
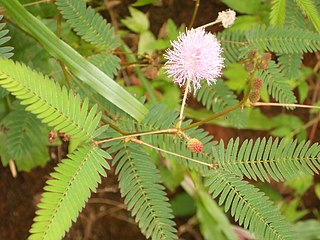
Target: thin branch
212	166
37	2
170	130
259	104
186	91
195	12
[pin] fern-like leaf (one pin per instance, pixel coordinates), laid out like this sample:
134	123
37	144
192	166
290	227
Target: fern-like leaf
250	207
232	43
66	194
44	98
25	140
139	182
217	98
283	39
5	52
88	24
294	16
310	9
290	64
106	62
263	159
275	80
277	14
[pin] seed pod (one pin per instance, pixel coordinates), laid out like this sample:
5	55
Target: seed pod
195	145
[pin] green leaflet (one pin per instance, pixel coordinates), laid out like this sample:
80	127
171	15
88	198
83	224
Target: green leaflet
310	9
218	97
55	106
139	183
250	207
277	14
262	159
275	80
283	39
66	194
24	140
88	24
80	67
5	52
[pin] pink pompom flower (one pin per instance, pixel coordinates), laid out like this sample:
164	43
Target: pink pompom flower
196	56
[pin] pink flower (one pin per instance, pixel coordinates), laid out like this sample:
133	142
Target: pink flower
196	55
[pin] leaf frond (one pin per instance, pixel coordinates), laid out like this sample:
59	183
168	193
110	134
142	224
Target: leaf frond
310	9
275	80
232	42
107	63
68	190
5	52
264	159
250	207
219	97
283	39
52	104
290	64
139	183
88	24
278	11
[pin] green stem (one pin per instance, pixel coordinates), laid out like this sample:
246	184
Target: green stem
194	15
183	103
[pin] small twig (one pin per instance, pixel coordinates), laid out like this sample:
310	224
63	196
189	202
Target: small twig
107	202
170	130
171	153
186	91
37	2
195	12
258	104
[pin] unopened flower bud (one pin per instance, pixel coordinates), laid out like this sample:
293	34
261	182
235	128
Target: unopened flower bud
227	18
254	96
195	145
249	66
257	84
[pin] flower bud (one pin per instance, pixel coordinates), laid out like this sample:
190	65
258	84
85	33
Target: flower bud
195	145
254	96
257	84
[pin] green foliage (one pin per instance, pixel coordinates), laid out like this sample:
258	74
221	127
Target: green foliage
283	39
219	97
240	197
310	9
55	106
277	14
24	140
106	62
89	25
232	42
263	159
290	63
5	52
65	195
275	80
139	182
